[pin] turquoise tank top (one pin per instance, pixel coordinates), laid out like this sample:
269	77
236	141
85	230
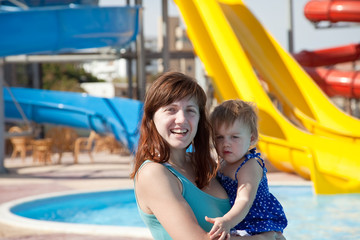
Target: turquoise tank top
200	202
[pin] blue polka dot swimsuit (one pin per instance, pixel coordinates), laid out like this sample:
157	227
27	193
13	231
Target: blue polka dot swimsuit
266	213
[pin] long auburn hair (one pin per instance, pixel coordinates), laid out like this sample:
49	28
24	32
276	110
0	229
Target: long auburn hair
168	88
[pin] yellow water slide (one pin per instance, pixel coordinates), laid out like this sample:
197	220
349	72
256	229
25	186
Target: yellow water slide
302	99
331	164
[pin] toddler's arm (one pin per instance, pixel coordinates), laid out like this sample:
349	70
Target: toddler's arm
248	177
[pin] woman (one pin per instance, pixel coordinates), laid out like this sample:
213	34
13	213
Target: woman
167	178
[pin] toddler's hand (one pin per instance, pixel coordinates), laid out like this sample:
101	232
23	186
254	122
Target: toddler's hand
220	230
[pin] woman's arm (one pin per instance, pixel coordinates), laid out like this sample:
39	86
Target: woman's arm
159	192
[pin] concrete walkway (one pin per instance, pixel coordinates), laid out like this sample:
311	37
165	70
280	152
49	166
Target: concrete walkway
109	171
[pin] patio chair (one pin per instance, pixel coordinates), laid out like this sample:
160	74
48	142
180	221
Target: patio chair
85	143
42	150
21	144
109	143
63	140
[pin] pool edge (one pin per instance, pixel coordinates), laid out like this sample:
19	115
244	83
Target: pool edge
8	218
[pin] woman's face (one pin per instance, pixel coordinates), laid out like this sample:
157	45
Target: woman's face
177	122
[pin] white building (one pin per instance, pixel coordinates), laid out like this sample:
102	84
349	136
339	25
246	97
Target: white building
107	70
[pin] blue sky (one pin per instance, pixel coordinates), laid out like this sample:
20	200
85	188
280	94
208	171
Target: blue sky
274	15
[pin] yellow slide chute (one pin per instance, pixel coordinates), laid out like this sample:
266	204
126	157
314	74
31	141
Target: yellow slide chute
231	43
290	83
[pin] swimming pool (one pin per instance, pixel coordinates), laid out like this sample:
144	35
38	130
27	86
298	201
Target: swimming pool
310	216
116	207
319	217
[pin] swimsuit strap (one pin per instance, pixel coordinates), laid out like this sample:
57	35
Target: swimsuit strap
252	154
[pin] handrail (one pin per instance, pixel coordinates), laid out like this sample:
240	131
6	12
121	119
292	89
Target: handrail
18	107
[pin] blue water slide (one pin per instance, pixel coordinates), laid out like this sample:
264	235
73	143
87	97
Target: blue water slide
44	3
59	26
58	29
119	116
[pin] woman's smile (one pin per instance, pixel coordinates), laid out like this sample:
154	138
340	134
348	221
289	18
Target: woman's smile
179	131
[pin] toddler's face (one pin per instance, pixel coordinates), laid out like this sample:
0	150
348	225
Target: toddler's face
233	141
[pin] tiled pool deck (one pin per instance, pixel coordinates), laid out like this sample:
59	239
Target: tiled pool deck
109	171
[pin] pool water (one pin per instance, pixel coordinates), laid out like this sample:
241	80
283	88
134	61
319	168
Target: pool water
319	217
316	217
116	208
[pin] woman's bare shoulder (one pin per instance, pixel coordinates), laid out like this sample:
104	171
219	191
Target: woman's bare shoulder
155	184
151	169
153	174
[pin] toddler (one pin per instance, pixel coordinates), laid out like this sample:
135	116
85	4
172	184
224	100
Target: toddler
243	174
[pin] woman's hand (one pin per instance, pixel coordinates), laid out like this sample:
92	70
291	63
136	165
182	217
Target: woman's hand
280	236
270	236
262	236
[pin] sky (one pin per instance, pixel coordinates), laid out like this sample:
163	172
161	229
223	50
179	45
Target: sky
274	15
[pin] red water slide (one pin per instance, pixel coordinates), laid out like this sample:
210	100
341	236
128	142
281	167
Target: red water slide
329	56
336	83
333	10
333	82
